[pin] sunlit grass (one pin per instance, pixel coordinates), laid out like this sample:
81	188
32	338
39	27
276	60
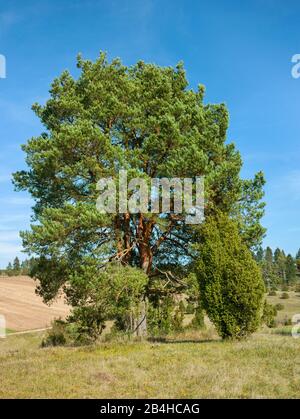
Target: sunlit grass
193	364
186	365
291	305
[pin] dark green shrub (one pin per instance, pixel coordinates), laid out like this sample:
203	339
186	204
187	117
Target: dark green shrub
231	285
279	307
70	333
165	316
177	323
57	335
287	322
98	295
198	320
11	273
284	296
284	288
88	323
272	293
160	316
190	308
269	314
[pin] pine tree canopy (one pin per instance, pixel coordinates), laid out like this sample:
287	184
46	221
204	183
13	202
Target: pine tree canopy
147	120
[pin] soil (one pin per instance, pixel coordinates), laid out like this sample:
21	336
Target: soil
23	309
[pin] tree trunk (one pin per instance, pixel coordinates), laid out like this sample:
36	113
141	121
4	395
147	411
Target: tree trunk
141	327
144	234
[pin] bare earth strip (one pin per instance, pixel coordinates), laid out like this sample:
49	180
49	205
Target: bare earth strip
23	309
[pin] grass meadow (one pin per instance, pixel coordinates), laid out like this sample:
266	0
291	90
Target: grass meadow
194	364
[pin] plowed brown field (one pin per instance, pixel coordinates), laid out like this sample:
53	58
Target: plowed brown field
23	309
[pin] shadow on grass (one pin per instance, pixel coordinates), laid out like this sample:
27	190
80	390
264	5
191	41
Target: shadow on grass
170	340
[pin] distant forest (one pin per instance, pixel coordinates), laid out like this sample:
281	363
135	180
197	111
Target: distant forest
278	268
16	267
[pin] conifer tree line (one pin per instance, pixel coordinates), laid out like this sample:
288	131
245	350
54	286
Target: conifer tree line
278	268
17	267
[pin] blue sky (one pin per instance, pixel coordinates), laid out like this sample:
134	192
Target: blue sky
241	51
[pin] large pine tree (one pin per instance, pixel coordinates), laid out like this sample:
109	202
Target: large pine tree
144	119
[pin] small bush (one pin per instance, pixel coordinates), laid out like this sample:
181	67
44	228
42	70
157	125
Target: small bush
11	273
272	293
284	296
272	324
287	322
165	317
57	335
198	320
98	295
160	317
284	288
86	323
279	307
67	333
190	309
178	318
269	314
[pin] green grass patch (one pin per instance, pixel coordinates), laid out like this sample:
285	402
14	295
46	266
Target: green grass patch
284	331
189	365
9	331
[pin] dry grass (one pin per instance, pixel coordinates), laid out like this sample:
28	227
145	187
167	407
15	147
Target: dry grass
291	305
193	365
189	365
